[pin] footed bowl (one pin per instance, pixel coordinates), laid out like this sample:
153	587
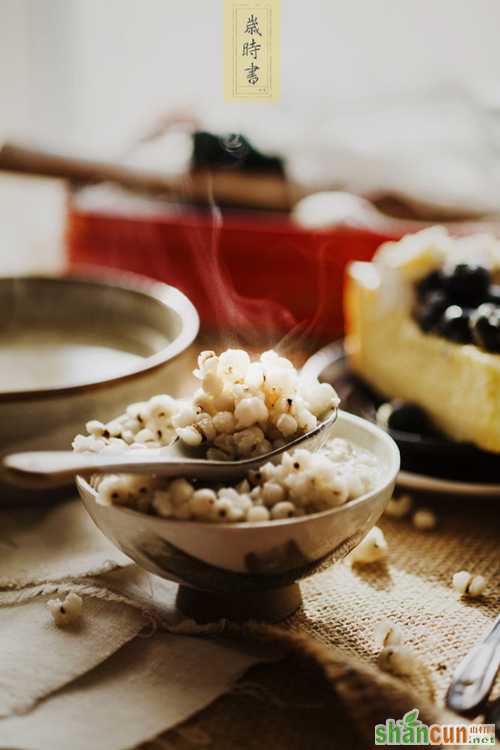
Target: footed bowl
250	570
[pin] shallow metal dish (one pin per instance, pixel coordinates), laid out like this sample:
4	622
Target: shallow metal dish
151	320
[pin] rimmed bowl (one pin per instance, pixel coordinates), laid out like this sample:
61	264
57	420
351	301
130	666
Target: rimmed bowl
250	570
137	333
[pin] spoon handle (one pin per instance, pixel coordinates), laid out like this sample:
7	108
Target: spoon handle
474	677
50	467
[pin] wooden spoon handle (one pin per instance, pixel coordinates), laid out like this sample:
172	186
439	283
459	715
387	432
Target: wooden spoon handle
24	159
253	190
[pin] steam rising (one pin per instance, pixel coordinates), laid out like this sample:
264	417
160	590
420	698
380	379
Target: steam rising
240	321
235	146
188	253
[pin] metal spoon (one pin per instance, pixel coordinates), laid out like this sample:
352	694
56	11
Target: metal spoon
33	468
474	677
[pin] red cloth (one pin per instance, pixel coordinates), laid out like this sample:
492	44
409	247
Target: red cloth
256	274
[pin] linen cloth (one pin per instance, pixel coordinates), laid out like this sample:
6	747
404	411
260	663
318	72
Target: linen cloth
344	604
328	693
333	695
151	684
37	658
50	551
51	542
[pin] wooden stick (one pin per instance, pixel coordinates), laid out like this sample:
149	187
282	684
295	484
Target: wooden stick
226	188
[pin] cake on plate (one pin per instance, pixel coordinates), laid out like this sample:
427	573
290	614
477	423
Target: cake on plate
423	325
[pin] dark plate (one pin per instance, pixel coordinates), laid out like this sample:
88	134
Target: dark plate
433	456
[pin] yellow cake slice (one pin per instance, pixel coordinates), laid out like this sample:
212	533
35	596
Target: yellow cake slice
458	385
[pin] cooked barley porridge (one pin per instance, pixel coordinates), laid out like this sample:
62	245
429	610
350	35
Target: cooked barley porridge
242	409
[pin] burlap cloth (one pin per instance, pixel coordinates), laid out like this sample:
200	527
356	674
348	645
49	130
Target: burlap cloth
327	691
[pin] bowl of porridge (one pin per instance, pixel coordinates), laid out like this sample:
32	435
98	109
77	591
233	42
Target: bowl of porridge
239	550
84	343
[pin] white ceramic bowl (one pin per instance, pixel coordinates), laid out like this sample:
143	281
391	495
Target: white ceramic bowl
249	570
111	310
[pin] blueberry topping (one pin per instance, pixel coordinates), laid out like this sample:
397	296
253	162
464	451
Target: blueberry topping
468	284
433	282
454	324
461	304
485	327
408	417
431	309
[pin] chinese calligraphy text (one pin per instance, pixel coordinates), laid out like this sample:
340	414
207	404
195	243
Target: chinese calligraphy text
251	49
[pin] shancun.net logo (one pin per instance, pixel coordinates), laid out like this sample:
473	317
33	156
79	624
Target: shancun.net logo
411	731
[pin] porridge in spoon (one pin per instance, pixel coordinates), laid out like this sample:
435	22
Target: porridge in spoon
242	409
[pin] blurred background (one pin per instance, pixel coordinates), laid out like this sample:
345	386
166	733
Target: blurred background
94	74
394	102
